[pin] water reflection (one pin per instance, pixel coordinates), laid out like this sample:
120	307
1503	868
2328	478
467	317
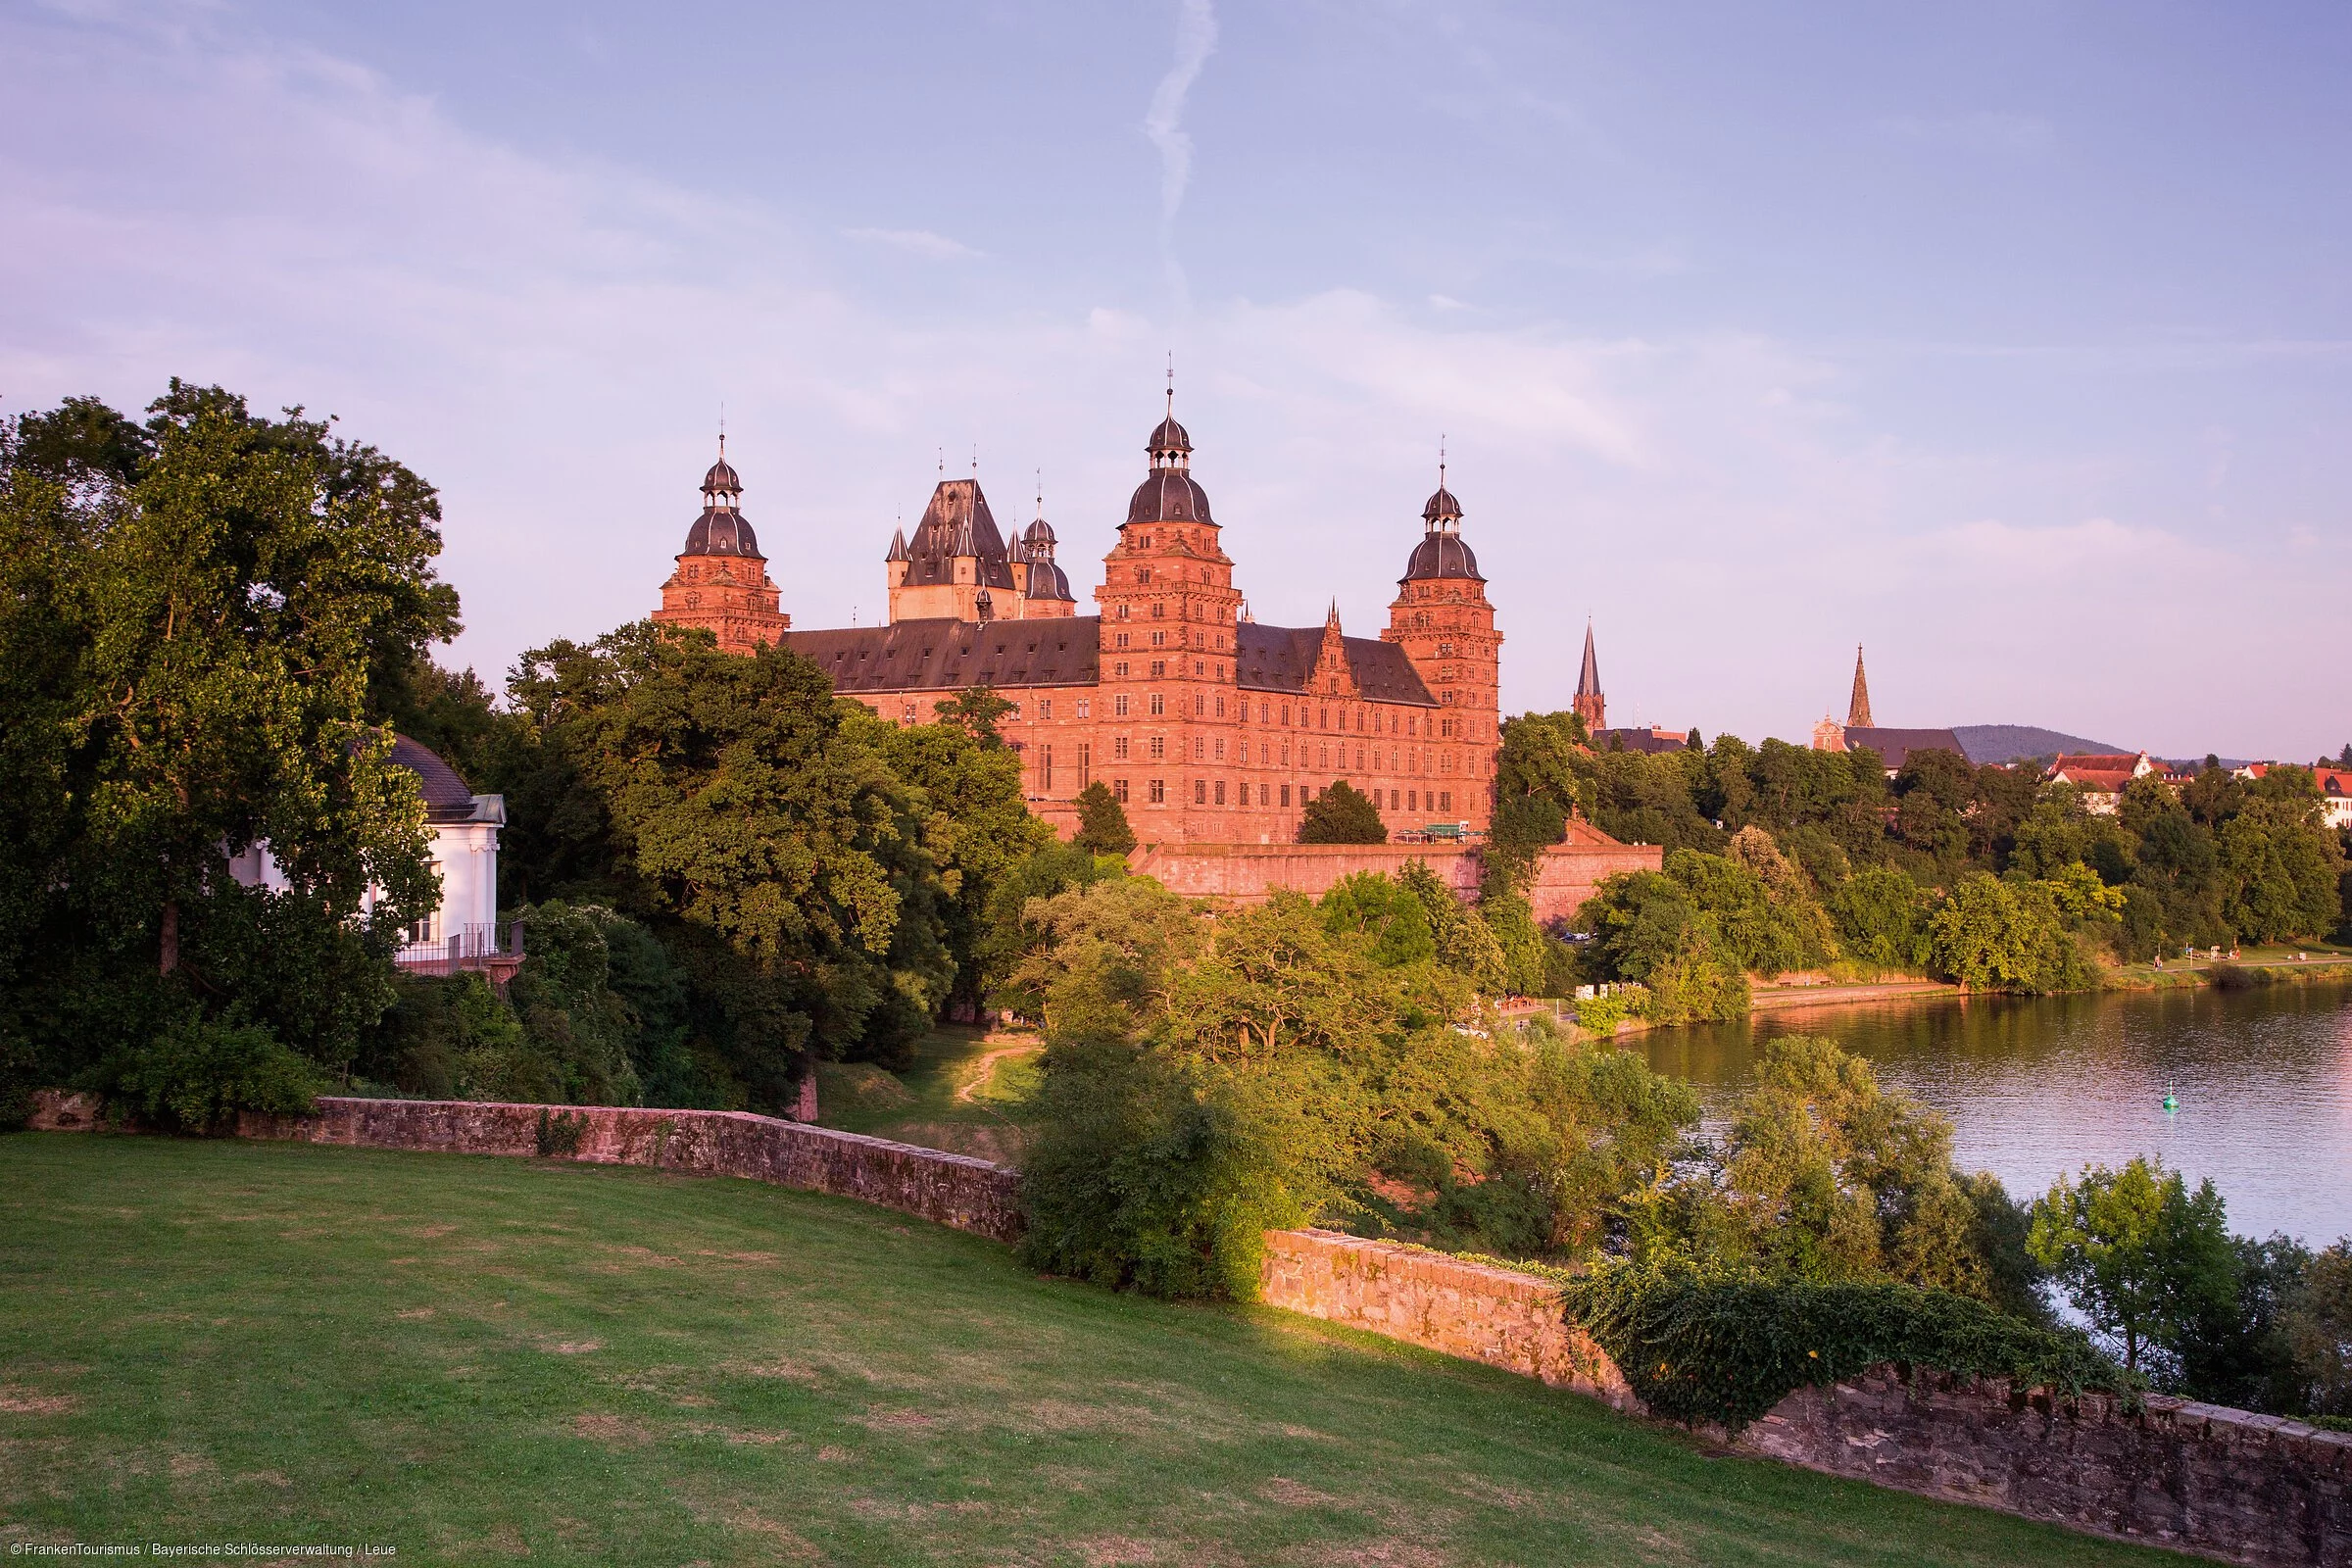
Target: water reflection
2036	1086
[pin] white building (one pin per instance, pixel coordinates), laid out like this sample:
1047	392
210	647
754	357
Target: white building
463	932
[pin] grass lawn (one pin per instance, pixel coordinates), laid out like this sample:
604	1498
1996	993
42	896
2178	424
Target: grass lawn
963	1092
470	1358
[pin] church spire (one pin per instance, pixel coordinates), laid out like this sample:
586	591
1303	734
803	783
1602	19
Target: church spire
1590	706
1857	711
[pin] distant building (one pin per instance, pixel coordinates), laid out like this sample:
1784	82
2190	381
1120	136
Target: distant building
1859	732
2100	776
1649	738
1590	706
2336	795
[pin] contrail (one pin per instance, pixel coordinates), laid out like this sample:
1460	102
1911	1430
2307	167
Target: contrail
1164	122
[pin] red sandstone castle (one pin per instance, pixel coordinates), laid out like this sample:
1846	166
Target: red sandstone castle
1211	728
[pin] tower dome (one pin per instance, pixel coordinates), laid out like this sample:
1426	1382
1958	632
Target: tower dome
1441	552
1169	493
721	529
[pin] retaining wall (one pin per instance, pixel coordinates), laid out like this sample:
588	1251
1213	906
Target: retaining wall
1245	873
970	1194
2253	1489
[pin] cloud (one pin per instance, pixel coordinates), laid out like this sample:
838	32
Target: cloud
1164	122
548	338
916	242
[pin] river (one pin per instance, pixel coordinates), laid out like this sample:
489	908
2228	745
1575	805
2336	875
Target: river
2037	1086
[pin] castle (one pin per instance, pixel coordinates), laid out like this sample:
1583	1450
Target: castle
1207	726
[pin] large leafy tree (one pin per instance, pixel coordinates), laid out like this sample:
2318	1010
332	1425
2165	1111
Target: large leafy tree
733	797
1342	814
199	615
2141	1256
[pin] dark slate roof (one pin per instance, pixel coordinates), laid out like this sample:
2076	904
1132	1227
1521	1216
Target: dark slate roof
1441	505
721	531
1169	495
1441	554
1895	746
1168	436
722	476
1048	581
1280	658
958	522
445	797
943	655
1647	741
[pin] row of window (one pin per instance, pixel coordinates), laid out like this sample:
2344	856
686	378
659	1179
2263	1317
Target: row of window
1211	792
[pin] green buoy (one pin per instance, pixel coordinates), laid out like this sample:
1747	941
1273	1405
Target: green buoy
2172	1102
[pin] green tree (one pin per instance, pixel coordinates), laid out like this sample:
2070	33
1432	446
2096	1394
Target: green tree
1012	932
1881	919
2141	1256
977	822
730	795
1374	907
1993	935
2317	1323
2282	862
1103	822
1342	814
195	620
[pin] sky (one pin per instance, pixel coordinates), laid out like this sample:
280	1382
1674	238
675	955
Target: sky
2011	341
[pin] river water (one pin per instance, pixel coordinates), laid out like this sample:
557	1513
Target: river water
2038	1086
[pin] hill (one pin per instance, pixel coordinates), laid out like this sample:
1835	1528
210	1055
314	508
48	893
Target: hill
2006	743
472	1358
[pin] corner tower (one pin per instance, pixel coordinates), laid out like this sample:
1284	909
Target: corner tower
1446	625
956	564
721	582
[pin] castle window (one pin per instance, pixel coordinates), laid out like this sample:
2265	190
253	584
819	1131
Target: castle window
1220	791
1120	670
1261	793
1261	713
1412	725
1222	705
1220	747
1159	639
1199	669
1322	719
1200	706
1445	800
1159	748
1016	711
1158	705
1086	707
1118	706
1286	712
1323	760
1045	766
1159	667
1122	642
1445	650
1118	748
1045	708
1159	791
1391	800
1159	610
907	713
1286	795
1265	753
1143	575
1122	616
1200	792
1118	789
1086	763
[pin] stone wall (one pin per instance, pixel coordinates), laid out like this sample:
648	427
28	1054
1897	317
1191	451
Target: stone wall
2250	1487
956	1190
1473	1310
1244	873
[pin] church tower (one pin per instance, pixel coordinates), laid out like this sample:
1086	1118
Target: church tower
721	582
1857	708
1443	621
1590	706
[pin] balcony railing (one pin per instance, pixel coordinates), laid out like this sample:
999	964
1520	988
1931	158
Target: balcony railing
494	950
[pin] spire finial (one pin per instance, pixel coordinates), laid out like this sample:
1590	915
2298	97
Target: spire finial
1171	383
1041	492
1441	459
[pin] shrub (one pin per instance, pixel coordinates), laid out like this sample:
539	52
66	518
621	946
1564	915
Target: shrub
559	1132
1145	1173
1342	814
1725	1348
199	1074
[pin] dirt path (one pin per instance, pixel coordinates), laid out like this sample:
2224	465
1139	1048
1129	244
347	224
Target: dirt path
982	1066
